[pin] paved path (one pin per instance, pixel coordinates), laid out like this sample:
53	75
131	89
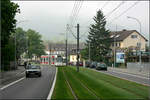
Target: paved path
31	88
129	71
10	76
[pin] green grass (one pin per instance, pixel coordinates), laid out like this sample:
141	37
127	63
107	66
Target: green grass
104	86
80	91
61	90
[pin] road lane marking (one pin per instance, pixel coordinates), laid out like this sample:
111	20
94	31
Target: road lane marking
129	74
122	78
53	86
12	83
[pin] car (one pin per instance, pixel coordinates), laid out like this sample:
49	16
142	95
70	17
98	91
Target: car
87	64
93	64
101	66
80	63
33	69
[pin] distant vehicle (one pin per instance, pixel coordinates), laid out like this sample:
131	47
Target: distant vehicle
33	69
87	64
71	63
101	66
80	63
93	64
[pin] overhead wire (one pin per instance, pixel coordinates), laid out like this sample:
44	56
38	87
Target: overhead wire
124	11
76	9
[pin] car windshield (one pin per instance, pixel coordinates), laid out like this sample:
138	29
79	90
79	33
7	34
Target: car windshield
33	67
98	64
103	65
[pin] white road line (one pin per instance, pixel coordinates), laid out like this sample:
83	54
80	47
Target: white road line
12	83
129	74
123	78
53	86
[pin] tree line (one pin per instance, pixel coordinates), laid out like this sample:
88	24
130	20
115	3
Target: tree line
16	41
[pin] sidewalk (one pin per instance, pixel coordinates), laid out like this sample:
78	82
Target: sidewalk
125	70
11	75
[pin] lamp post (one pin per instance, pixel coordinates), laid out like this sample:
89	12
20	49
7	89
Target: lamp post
15	37
139	38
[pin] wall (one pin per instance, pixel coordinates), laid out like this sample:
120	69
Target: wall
145	67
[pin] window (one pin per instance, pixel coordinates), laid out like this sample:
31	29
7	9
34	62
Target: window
119	44
133	36
138	44
116	45
112	44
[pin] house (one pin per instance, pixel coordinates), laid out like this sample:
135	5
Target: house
128	39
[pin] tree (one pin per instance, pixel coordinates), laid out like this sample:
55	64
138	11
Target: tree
84	53
8	21
98	38
8	24
35	44
21	41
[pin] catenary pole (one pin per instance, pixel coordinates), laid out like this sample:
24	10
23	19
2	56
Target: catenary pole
77	47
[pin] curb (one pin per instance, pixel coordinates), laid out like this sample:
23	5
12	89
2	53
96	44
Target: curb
53	85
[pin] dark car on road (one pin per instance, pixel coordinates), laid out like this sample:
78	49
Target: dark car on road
101	66
87	64
33	70
93	64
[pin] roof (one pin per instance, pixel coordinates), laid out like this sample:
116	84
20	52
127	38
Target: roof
121	35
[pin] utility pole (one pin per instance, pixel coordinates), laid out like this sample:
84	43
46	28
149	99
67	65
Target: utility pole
66	54
66	45
89	52
140	55
77	47
115	48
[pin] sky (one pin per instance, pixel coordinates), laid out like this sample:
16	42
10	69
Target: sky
50	18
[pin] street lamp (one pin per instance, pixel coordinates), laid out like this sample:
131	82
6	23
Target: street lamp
139	37
15	37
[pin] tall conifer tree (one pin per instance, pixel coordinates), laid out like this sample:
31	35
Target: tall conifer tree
99	38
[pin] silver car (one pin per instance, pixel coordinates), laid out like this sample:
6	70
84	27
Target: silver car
33	69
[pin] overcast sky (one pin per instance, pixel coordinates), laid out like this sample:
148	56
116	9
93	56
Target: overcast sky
49	18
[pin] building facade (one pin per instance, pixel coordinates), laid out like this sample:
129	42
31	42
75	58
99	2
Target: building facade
128	39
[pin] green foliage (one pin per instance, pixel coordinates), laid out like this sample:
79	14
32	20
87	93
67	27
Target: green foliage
8	21
8	24
35	44
99	38
9	54
84	53
20	38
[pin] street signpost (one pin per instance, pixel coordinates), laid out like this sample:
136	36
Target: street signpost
120	57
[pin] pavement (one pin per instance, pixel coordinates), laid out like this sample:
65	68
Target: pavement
9	76
129	71
30	88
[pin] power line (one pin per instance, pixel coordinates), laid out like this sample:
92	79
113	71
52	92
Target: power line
78	10
122	12
125	11
75	12
115	9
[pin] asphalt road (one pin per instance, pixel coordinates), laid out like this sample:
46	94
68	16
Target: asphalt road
31	88
131	77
